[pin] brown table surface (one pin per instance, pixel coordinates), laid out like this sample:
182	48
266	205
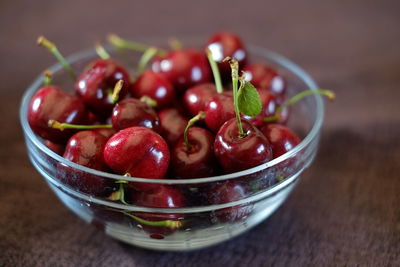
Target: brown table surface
346	209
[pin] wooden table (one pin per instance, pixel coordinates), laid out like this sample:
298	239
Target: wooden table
346	210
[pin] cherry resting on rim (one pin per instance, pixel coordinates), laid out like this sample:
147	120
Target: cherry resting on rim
219	109
155	86
197	160
225	44
96	84
281	138
52	103
173	124
195	98
264	77
228	192
183	68
138	152
161	197
85	148
237	153
133	112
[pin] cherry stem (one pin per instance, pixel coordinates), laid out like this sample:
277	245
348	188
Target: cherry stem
175	44
235	80
120	194
200	116
61	126
115	93
48	78
149	101
328	93
101	51
145	58
165	223
120	43
215	71
42	41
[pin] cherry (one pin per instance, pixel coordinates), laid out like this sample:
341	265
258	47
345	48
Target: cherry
281	138
225	44
173	124
56	148
96	84
159	224
183	68
138	152
52	103
133	112
235	152
228	192
155	86
195	98
195	159
85	148
105	132
265	77
218	110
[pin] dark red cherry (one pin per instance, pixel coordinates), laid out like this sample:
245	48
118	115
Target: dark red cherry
173	124
265	77
225	44
195	98
161	197
155	86
133	112
56	148
105	132
196	161
184	68
52	103
218	110
97	82
281	138
139	152
237	153
85	148
229	192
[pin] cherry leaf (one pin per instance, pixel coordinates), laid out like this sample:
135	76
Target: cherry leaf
249	101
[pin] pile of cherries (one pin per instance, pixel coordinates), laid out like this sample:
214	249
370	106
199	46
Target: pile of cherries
170	121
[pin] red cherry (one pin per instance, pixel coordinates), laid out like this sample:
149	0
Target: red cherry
236	153
139	152
133	112
184	68
281	138
264	77
198	160
173	124
155	86
85	148
161	197
56	148
195	98
96	83
229	192
225	44
218	110
105	132
52	103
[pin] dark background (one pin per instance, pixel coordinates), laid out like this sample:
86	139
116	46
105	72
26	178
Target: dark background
346	209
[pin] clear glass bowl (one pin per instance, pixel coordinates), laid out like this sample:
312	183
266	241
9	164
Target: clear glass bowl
201	224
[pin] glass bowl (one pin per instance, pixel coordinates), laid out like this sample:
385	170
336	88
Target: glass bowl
200	224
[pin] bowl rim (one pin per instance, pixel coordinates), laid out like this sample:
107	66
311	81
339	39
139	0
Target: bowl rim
90	53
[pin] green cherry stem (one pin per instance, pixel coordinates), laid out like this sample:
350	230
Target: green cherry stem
328	93
114	96
120	43
175	44
62	126
235	80
149	101
120	193
215	71
48	78
165	223
145	58
101	51
200	116
42	41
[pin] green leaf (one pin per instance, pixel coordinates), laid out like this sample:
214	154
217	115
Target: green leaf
248	99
